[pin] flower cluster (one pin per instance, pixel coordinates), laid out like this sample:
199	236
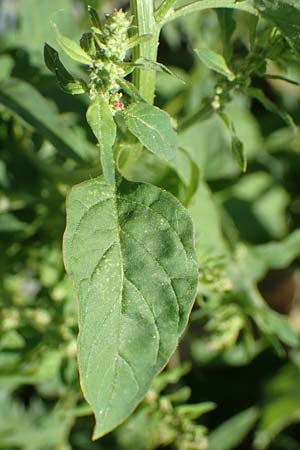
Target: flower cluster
110	45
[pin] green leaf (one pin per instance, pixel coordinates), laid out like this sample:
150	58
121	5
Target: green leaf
87	43
239	152
285	15
215	62
25	101
271	106
136	39
130	251
130	89
205	215
232	432
194	411
280	326
237	146
6	66
227	25
101	121
9	223
66	81
72	49
153	128
95	20
147	64
252	28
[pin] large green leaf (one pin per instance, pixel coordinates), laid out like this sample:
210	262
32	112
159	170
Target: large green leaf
25	101
285	14
101	121
130	251
153	128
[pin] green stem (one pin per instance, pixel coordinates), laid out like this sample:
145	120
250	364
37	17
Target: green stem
143	12
204	113
163	10
200	5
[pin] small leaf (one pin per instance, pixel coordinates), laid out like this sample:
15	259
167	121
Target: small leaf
101	121
130	89
281	327
95	20
53	62
71	48
147	64
215	62
195	411
271	106
87	43
153	128
237	146
239	152
66	82
130	251
136	39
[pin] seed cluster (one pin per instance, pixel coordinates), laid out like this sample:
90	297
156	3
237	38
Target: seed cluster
108	47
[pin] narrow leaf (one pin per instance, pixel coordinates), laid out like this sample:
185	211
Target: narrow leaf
215	62
65	80
237	146
71	48
101	121
28	104
232	432
272	76
130	89
136	39
239	152
153	128
130	251
271	106
227	25
194	411
87	43
95	20
252	27
147	64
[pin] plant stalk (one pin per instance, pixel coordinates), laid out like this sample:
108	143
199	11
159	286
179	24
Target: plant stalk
144	20
201	5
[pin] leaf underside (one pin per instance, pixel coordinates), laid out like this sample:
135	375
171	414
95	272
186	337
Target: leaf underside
130	251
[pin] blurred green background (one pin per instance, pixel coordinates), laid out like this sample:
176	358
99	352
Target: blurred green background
241	350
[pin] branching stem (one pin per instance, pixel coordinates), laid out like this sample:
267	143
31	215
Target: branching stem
201	5
163	10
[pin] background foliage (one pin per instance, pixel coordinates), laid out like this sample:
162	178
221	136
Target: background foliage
234	381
